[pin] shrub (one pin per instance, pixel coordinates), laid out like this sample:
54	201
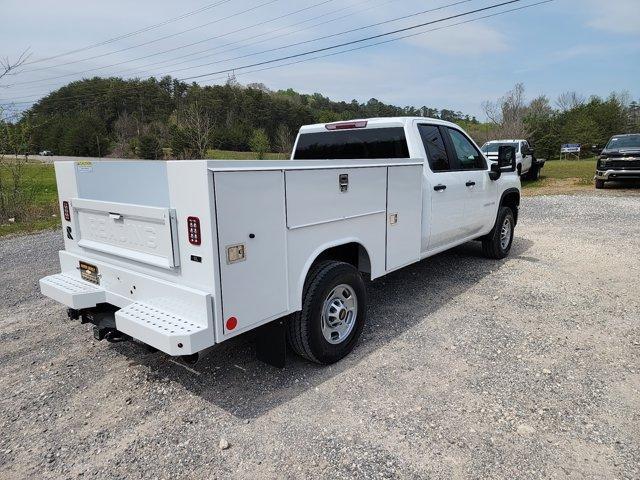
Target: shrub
259	143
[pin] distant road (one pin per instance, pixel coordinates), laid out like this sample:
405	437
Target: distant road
59	158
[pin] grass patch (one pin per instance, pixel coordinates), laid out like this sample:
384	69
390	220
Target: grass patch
29	226
560	175
41	199
231	155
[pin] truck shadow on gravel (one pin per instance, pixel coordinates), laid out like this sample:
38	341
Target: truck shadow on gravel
230	377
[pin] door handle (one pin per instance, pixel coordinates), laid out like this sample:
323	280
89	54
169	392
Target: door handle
470	184
439	188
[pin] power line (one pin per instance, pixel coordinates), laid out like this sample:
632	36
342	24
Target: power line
279	48
269	2
131	34
311	40
138	70
342	51
244	45
404	17
361	47
372	37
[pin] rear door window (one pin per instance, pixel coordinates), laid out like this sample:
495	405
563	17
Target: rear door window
434	147
466	154
367	143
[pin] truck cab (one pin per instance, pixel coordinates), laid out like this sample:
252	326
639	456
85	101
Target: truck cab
459	200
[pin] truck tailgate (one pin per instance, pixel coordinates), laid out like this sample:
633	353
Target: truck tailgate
137	232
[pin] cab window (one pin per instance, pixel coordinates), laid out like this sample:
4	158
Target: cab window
466	154
434	147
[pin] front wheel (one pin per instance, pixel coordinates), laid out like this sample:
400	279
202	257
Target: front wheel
599	184
333	313
497	243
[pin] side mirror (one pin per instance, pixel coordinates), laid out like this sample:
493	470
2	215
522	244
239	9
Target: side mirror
507	158
506	162
494	172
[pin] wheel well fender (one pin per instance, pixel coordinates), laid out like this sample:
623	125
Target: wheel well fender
350	251
511	198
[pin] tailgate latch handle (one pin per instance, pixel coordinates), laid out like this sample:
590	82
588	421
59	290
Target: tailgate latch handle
115	216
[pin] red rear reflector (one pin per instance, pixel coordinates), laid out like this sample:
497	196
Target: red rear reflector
193	226
232	323
67	212
346	125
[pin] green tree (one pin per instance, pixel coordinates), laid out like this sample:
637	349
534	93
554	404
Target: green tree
149	147
284	140
85	135
259	143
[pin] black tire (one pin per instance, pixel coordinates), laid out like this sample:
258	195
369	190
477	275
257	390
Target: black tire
534	173
492	245
304	328
599	184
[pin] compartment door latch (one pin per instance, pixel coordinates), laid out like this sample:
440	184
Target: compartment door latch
343	180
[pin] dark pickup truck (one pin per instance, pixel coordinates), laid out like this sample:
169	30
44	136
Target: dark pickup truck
619	160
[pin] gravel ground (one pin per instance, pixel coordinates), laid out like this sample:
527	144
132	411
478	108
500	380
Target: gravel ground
468	368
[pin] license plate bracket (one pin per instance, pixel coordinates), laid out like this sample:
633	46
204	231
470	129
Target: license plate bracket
89	272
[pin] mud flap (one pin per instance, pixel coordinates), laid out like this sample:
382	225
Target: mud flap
271	343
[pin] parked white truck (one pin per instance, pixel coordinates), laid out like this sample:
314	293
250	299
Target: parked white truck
183	255
527	164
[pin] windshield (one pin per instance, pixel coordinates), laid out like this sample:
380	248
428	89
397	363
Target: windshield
627	141
493	147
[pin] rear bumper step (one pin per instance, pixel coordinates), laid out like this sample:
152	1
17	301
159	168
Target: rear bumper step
163	330
72	292
153	321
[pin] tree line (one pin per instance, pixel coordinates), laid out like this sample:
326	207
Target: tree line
167	118
571	118
159	118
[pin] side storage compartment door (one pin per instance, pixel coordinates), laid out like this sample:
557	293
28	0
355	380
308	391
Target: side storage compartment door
404	215
250	210
330	195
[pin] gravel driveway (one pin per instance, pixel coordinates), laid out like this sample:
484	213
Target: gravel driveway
467	368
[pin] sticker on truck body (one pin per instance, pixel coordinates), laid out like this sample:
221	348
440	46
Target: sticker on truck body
84	166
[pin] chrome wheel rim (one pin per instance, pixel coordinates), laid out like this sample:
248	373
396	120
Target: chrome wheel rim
505	234
339	314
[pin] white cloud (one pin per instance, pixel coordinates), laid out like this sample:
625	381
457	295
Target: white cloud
467	39
616	16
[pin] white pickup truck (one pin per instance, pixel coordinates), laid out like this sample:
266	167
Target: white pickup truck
183	255
527	164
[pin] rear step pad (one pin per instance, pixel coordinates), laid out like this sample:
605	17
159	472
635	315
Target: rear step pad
161	329
71	291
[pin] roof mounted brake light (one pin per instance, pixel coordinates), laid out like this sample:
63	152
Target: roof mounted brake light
346	125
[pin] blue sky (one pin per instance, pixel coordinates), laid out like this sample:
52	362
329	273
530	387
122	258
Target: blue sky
589	46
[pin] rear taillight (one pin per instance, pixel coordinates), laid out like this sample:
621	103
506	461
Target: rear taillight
193	225
66	211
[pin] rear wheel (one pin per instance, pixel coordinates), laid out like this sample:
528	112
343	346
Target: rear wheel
497	243
599	184
333	313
